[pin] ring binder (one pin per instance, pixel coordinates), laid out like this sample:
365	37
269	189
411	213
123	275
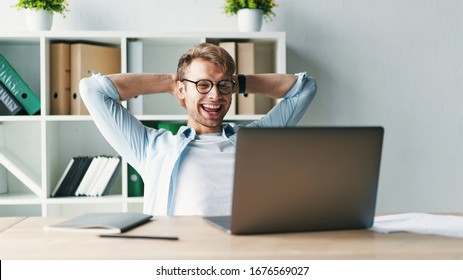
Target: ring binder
18	87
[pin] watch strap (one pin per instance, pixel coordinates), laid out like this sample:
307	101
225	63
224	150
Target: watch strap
242	83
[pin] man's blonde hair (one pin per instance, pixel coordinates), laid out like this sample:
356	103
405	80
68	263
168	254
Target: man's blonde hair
209	52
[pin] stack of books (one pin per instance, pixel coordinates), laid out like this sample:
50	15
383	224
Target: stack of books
16	97
88	176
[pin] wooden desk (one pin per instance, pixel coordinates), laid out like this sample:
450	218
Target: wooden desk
8	222
199	240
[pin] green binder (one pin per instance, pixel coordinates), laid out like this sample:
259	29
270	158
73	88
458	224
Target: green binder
8	103
18	87
134	182
173	127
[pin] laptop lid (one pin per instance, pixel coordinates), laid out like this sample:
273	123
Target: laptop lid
305	179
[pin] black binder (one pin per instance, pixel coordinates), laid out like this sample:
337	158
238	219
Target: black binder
9	106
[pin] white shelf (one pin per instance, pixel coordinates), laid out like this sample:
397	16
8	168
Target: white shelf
85	200
20	118
47	142
19	199
67	118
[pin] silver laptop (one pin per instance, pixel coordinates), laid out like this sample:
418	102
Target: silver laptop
304	179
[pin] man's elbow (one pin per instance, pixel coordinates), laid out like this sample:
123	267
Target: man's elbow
84	86
90	90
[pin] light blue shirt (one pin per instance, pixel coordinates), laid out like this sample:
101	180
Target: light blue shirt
154	153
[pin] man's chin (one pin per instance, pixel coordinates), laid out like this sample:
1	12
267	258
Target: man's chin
213	124
213	117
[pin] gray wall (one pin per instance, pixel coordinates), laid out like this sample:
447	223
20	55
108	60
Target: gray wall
398	64
394	63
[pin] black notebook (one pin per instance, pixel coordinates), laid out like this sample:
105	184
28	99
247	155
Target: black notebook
102	223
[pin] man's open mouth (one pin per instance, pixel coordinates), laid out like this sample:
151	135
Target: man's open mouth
211	108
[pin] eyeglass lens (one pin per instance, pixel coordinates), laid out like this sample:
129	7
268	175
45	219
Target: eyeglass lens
205	86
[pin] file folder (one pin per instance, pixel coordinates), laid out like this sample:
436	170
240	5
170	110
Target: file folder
18	87
230	47
60	82
254	59
134	182
88	58
8	104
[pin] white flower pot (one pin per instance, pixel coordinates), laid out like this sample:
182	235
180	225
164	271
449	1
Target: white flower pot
250	20
39	20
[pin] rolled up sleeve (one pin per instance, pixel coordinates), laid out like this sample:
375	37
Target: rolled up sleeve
290	110
122	130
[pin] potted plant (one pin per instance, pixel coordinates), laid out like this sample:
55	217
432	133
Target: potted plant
250	12
40	12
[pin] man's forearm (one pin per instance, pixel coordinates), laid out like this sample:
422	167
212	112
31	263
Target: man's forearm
273	85
132	84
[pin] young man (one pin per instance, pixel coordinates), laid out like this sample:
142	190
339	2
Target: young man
190	173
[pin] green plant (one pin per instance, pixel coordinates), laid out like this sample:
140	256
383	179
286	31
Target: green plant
51	6
233	6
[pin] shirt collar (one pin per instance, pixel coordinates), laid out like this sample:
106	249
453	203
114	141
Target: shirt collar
227	130
188	132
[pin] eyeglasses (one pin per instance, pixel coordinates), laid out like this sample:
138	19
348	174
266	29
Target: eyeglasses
205	86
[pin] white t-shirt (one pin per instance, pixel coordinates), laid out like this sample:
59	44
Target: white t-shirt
205	182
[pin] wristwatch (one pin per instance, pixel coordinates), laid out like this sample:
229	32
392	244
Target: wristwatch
242	84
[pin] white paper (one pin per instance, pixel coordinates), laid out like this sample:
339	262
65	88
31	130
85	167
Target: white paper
421	223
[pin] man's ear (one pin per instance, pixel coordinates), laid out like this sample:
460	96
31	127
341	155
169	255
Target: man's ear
180	94
181	90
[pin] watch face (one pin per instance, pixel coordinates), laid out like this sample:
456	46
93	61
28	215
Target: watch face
242	83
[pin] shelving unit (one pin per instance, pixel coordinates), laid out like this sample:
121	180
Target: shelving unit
47	142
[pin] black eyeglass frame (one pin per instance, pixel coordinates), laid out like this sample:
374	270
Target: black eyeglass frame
212	83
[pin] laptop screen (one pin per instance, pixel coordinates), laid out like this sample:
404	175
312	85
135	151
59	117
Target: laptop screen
305	178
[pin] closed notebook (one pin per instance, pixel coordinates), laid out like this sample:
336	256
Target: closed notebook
101	223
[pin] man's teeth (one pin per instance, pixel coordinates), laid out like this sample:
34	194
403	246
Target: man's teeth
210	106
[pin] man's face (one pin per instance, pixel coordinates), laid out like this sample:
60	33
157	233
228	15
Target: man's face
205	111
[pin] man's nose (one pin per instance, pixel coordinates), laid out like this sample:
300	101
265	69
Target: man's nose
214	93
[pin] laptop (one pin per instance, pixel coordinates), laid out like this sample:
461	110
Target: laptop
304	179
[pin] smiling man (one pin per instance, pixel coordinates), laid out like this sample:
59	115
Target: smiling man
190	173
